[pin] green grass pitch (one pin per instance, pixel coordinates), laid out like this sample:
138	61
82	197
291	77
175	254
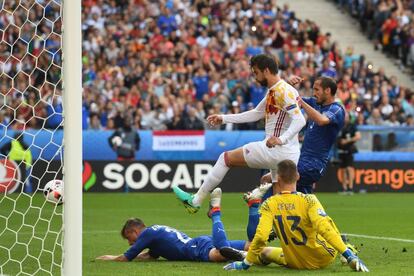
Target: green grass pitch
379	216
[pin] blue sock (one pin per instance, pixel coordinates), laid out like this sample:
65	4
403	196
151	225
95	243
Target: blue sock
253	220
237	244
219	234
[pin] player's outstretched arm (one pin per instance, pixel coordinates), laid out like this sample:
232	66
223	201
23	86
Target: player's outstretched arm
354	261
144	256
253	115
116	258
293	80
237	266
215	119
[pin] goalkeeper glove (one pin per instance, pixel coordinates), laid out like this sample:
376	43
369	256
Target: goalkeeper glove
237	266
354	262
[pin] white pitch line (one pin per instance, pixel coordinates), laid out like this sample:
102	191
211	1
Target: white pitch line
243	230
379	238
92	232
207	231
184	230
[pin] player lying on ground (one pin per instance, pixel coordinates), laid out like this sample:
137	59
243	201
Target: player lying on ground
283	122
309	238
171	244
325	119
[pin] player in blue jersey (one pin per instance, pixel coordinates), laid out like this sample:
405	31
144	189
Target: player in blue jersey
325	119
171	244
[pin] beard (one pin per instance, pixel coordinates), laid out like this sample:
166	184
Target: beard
321	101
318	101
262	82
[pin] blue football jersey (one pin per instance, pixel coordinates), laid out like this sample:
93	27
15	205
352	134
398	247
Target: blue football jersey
319	139
171	244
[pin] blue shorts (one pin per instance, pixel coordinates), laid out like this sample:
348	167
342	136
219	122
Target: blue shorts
309	174
199	248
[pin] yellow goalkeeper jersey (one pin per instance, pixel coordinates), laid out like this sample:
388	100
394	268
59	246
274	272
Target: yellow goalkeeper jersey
308	237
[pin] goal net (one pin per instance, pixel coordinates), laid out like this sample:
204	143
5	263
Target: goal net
31	139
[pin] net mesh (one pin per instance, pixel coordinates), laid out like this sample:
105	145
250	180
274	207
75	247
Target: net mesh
31	136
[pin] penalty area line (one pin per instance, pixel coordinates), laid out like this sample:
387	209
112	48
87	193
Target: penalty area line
378	238
207	231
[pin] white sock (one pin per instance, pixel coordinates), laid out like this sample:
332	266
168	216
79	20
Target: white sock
213	179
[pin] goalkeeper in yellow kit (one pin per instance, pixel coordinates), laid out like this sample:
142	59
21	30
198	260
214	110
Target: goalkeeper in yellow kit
309	238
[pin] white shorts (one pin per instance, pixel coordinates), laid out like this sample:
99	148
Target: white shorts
259	156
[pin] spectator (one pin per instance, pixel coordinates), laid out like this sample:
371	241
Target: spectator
394	88
375	118
94	122
254	49
408	104
393	120
125	141
191	121
391	142
166	22
327	70
175	123
377	143
389	23
148	119
203	39
201	81
385	107
409	122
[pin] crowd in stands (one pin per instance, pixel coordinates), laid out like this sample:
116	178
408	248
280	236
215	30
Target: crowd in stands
169	64
30	64
389	23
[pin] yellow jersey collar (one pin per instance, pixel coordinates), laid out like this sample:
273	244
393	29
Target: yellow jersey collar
288	192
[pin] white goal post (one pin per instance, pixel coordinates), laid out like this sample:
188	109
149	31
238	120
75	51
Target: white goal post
40	137
72	98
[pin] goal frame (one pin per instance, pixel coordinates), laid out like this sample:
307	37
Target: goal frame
72	102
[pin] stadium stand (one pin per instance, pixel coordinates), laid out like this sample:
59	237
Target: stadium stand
390	24
169	65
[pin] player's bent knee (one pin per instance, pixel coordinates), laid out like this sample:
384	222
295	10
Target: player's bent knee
263	258
247	245
272	255
235	158
225	157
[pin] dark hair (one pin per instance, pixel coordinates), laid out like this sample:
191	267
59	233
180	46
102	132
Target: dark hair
330	83
131	223
287	171
263	61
